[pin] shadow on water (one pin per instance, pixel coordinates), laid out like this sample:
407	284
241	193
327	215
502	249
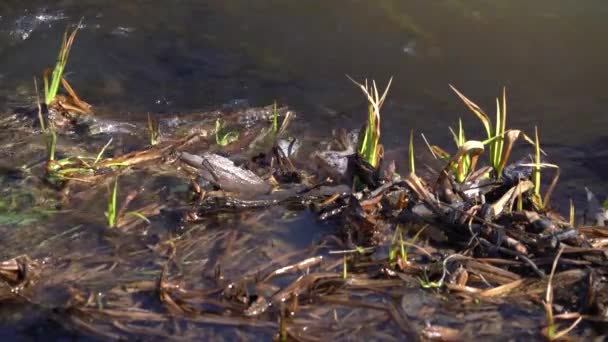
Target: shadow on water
173	60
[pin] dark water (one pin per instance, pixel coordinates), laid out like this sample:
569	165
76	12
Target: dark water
134	57
140	56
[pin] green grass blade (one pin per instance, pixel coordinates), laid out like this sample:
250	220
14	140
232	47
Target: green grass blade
461	137
62	59
412	161
495	147
275	118
51	143
112	205
153	131
218	126
98	158
503	127
370	140
402	249
572	213
476	110
138	215
536	171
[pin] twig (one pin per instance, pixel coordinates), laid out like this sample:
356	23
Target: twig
527	260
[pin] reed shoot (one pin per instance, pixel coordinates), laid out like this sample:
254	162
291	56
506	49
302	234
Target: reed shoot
224	138
111	213
50	91
368	144
494	132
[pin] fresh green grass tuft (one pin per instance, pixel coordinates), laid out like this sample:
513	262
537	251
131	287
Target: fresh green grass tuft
494	132
398	249
224	138
461	172
368	146
50	91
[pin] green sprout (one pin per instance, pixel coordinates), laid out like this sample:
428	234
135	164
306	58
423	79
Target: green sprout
368	146
60	170
51	144
463	171
538	201
465	160
412	161
224	138
551	331
494	132
275	119
153	131
399	249
426	283
50	92
111	213
536	170
572	213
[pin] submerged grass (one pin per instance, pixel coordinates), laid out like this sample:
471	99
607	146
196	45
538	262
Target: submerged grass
114	215
111	213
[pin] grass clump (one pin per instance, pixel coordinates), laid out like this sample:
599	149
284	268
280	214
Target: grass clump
50	90
223	138
495	132
369	145
78	168
399	249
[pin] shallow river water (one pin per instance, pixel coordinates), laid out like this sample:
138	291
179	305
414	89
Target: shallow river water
168	57
139	56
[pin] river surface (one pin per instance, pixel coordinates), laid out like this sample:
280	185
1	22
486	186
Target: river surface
167	57
138	56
